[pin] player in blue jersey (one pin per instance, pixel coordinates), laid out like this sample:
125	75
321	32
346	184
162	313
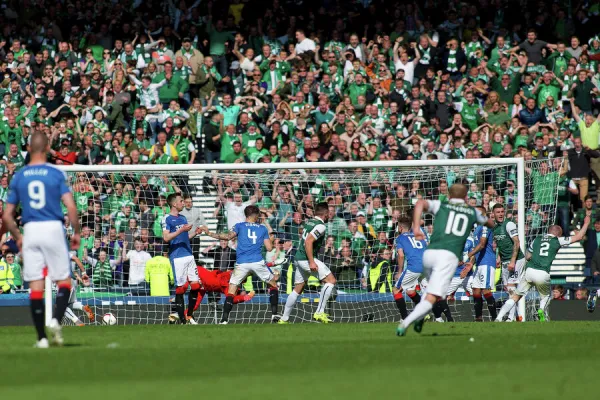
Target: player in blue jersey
485	276
177	232
409	255
39	189
251	237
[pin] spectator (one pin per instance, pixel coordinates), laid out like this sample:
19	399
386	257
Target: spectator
137	258
223	255
582	294
558	292
159	275
6	277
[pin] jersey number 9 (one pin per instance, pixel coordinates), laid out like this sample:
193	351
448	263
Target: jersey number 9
37	194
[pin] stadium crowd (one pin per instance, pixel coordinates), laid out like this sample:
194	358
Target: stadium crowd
182	82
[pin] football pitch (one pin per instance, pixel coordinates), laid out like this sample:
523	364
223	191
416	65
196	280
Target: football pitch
554	360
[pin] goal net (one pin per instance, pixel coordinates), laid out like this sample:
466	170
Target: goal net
121	212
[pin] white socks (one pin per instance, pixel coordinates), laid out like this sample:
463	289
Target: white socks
325	293
419	312
509	306
544	303
289	305
77	305
71	315
521	307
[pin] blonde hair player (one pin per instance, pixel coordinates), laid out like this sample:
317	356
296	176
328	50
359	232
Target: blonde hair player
452	226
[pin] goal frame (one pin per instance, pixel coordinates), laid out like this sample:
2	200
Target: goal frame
519	163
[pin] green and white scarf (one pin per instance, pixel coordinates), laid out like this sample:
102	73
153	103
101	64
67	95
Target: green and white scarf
213	70
452	65
568	80
425	55
472	48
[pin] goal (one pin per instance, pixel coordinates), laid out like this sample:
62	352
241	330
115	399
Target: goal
121	207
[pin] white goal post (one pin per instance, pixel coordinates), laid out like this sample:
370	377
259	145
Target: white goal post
408	169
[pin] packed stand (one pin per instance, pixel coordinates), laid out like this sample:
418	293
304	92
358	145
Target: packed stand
165	82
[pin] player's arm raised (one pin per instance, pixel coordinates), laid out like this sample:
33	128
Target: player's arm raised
420	207
69	202
581	234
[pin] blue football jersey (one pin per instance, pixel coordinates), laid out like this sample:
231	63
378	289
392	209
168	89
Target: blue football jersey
180	245
251	238
413	251
487	256
469	245
39	189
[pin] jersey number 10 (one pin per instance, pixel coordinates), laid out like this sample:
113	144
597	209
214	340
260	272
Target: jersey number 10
252	235
457	224
37	194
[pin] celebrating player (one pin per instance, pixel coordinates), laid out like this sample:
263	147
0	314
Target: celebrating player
451	228
251	237
39	188
485	276
305	263
511	256
409	251
540	256
176	232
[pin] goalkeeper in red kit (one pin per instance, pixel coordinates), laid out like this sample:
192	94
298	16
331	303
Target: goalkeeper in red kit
215	281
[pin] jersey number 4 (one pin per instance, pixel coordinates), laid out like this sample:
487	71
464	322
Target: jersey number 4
37	194
457	224
252	235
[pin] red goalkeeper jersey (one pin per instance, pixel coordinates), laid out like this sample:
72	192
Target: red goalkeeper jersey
214	281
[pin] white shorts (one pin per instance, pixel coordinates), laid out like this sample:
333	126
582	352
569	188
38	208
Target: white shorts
184	270
73	294
439	266
512	278
409	280
303	271
242	271
484	277
537	278
466	283
45	245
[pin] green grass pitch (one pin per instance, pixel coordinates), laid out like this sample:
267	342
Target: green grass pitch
555	360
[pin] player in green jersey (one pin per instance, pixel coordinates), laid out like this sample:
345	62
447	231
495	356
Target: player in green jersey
452	226
508	246
313	237
540	256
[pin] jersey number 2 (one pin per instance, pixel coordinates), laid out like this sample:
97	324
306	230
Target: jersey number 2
252	235
544	249
37	194
457	224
